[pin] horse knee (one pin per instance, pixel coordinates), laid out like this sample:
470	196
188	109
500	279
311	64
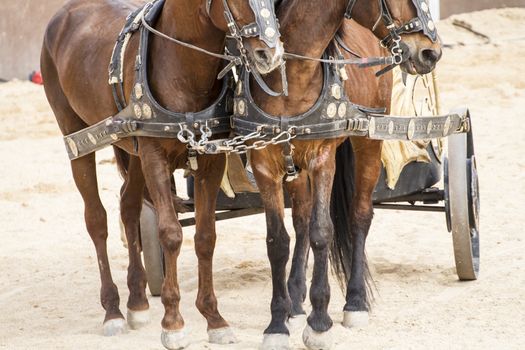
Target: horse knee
170	237
321	235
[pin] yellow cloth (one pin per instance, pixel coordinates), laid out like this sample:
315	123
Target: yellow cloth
397	154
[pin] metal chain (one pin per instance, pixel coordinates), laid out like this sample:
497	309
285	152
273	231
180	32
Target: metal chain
283	137
236	145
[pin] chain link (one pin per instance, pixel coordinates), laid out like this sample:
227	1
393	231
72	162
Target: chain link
236	145
283	137
397	51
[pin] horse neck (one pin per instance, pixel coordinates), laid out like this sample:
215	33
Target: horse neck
307	28
183	79
367	13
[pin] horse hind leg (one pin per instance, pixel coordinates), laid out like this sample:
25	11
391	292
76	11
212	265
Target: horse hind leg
368	170
84	173
130	208
207	184
85	176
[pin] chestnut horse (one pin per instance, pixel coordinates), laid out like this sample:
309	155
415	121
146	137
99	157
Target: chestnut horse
77	48
358	168
309	35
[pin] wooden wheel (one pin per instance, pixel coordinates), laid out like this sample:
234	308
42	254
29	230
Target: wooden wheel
151	249
462	204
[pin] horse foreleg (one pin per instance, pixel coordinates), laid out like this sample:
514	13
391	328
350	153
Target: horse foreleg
269	181
316	335
85	175
130	208
300	195
367	171
157	174
207	184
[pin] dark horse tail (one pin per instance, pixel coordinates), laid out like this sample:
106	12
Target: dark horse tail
341	209
122	158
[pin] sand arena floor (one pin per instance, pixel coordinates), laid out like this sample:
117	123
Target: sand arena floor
49	282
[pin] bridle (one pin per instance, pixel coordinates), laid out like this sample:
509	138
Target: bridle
422	23
266	27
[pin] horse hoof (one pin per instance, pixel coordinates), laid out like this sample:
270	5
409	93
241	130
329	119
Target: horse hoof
174	340
275	342
355	319
222	336
316	340
296	323
114	327
138	319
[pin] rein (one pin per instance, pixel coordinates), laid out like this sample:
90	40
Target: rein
229	58
360	62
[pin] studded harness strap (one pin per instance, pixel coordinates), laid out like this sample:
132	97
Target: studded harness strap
332	116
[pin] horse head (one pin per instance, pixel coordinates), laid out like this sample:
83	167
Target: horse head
254	25
403	26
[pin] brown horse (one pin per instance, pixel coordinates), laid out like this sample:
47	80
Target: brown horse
308	31
77	48
358	168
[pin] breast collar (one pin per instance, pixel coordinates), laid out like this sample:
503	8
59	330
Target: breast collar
332	116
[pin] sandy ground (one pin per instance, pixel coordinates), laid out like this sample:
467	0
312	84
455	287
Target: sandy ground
49	280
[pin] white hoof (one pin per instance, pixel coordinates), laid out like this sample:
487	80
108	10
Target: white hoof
114	327
355	319
275	342
174	340
296	323
317	341
138	319
222	336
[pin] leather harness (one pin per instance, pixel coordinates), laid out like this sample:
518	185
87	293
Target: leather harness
144	116
332	116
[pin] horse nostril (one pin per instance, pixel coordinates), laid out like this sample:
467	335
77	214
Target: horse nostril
430	55
263	55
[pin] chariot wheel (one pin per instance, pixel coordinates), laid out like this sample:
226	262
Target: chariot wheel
462	204
151	249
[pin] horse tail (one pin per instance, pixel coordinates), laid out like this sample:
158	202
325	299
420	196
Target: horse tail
340	208
341	214
122	158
